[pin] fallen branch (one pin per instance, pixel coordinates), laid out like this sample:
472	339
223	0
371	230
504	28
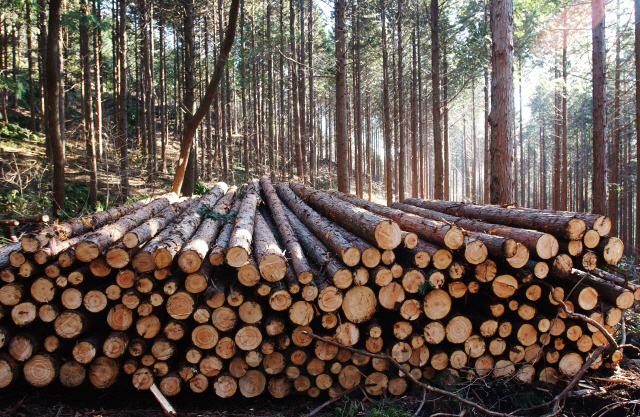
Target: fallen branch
330	401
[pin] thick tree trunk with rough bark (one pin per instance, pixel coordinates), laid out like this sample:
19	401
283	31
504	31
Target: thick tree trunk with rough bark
53	102
502	106
599	107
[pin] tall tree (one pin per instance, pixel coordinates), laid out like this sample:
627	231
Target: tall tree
599	108
386	116
191	125
402	174
435	88
85	55
341	96
636	4
122	99
53	91
502	105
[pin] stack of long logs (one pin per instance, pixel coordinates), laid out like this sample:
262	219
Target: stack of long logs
239	290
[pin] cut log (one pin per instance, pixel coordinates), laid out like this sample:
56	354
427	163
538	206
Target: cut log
72	374
330	234
437	304
270	258
436	232
607	290
334	270
70	324
376	229
170	246
239	246
543	244
41	370
96	243
611	250
195	250
252	384
561	225
103	372
78	226
591	239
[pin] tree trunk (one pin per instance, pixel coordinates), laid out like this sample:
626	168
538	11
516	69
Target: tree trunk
193	123
122	99
637	62
435	88
88	106
53	92
341	96
599	197
386	118
502	109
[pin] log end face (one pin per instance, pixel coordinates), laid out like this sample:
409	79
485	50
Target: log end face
237	256
189	261
602	225
351	257
130	240
87	251
547	246
454	238
475	252
388	235
575	229
613	251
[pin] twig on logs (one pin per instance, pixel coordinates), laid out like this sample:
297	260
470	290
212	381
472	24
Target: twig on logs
166	405
330	401
424	397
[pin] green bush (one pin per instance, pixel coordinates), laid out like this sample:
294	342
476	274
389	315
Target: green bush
200	188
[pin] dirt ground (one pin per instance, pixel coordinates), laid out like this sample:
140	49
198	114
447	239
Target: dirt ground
614	394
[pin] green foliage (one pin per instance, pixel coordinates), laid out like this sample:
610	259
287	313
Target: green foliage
14	203
386	409
424	287
200	188
209	213
11	130
349	410
136	198
77	200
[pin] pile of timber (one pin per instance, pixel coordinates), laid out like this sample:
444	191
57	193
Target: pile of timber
223	292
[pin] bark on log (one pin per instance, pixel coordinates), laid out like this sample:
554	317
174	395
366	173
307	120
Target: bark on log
149	229
96	244
78	226
334	270
169	247
239	247
376	229
195	250
270	258
438	233
542	244
329	233
562	226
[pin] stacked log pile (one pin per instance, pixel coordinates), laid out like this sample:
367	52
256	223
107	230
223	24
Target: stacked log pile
237	291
